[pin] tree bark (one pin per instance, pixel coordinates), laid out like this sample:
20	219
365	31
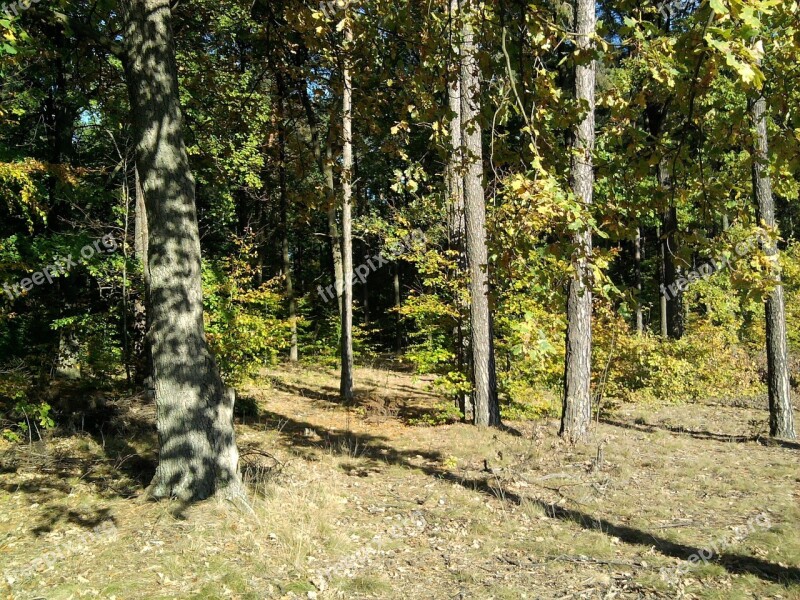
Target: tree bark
325	164
398	331
455	198
365	289
333	228
637	255
455	180
194	409
662	298
141	349
670	297
487	410
781	416
284	207
577	409
673	313
346	382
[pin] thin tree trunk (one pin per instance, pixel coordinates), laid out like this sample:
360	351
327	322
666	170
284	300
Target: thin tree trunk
670	300
669	249
325	164
333	228
781	417
262	248
487	410
455	193
285	254
398	332
140	235
638	260
662	298
455	179
194	409
577	409
141	349
365	288
346	383
126	339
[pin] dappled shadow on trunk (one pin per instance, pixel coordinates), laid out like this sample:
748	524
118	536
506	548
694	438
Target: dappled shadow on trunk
377	449
194	409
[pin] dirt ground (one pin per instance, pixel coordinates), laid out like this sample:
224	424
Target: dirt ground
685	501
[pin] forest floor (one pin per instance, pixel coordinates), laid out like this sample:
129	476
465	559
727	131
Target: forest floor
358	502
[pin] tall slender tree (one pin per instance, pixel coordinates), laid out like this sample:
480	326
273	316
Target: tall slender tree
284	208
638	246
455	192
486	407
781	416
346	382
194	409
325	163
577	409
333	227
671	297
673	305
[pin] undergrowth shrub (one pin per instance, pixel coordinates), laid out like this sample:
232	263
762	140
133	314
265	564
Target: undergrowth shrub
244	327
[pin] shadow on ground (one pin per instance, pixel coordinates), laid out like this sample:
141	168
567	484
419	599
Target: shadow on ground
702	435
377	449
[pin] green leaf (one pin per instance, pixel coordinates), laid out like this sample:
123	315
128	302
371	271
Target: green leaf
719	7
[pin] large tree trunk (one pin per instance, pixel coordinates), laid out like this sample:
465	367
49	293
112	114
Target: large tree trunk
781	417
346	382
197	447
487	410
284	207
577	409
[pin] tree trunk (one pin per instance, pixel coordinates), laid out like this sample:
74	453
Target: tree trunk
455	179
455	197
285	254
671	295
662	297
487	410
141	349
637	252
346	383
398	331
577	409
781	417
194	409
333	229
365	288
325	164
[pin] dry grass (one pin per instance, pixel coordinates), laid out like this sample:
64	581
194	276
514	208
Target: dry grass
352	502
